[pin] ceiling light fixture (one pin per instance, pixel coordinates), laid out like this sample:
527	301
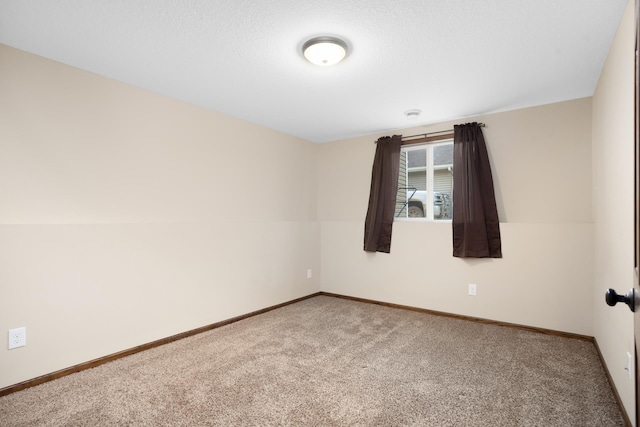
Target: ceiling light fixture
412	114
325	50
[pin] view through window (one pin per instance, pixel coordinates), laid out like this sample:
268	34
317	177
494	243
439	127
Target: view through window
425	182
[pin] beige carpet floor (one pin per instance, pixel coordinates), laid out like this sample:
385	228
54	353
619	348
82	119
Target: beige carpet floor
332	362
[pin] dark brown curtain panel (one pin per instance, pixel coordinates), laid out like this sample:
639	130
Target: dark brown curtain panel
476	229
382	197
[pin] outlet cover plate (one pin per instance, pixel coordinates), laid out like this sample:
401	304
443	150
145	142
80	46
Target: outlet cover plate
472	289
17	338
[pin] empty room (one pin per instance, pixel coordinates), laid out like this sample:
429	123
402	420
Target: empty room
318	213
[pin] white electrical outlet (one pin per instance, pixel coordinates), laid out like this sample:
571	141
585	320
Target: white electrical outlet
309	273
472	289
17	337
628	368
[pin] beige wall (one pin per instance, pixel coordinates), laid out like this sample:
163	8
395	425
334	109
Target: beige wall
541	159
613	188
126	216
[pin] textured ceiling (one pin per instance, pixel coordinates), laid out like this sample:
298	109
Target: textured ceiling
451	59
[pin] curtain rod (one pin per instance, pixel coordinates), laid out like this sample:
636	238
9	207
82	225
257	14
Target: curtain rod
430	137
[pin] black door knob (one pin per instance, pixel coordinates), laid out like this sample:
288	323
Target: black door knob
613	298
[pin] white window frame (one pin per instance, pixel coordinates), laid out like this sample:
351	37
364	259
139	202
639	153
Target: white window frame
430	171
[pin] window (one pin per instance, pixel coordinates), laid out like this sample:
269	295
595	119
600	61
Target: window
426	173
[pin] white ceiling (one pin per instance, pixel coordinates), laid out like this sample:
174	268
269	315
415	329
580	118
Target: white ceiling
450	58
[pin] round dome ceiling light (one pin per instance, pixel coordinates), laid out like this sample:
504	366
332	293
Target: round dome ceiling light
412	114
324	50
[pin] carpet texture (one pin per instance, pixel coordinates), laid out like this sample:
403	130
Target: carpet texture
326	361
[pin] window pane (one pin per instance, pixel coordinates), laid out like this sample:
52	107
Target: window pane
443	181
426	173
